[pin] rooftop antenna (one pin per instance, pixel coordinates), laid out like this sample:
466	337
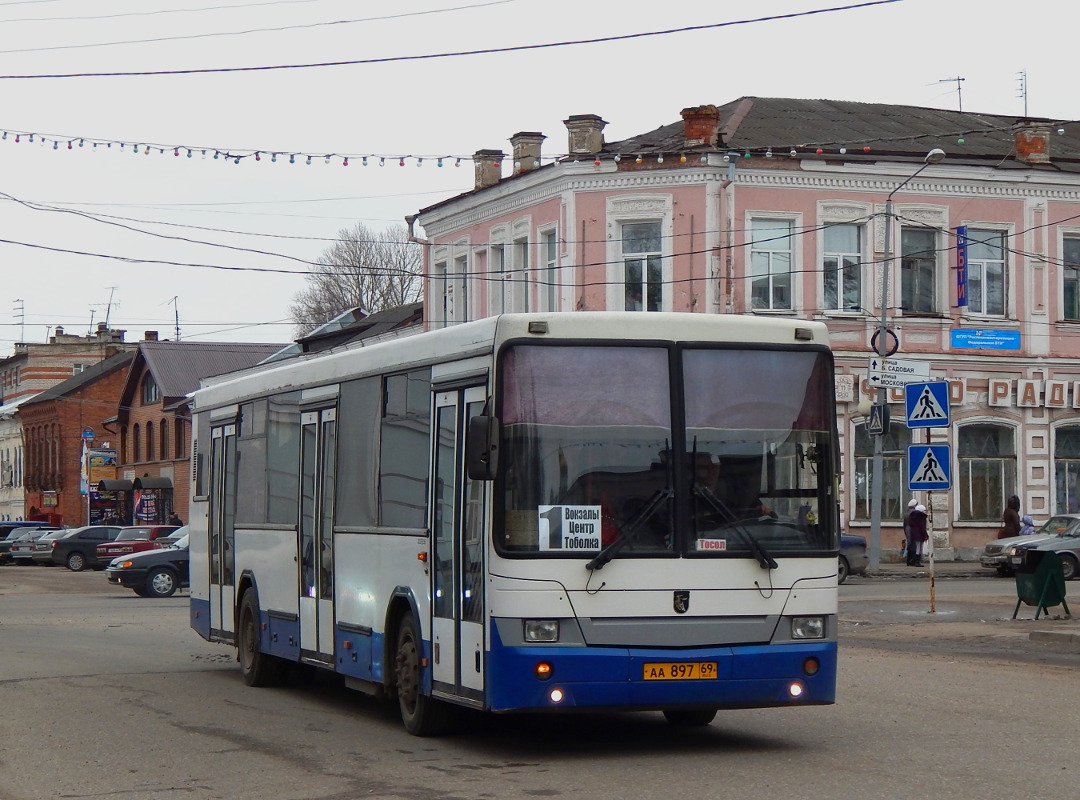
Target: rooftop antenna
108	306
91	331
1021	77
959	97
176	315
20	308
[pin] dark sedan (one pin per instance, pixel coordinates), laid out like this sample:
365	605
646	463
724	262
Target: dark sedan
152	573
853	559
76	550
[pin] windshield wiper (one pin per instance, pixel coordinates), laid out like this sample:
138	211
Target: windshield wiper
763	558
630	529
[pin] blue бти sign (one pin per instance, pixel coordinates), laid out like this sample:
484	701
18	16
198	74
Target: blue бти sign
984	340
961	266
928	467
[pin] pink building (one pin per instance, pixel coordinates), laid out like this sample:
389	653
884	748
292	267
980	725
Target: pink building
777	207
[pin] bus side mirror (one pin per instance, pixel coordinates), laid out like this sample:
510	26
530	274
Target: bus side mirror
482	448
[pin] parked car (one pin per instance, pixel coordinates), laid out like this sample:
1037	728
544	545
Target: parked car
22	549
999	553
132	539
10	531
152	573
853	559
42	547
1066	544
76	551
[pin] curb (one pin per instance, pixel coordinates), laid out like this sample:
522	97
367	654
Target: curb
1054	636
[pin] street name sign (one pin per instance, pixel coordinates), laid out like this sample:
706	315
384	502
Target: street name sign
927	404
895	373
928	467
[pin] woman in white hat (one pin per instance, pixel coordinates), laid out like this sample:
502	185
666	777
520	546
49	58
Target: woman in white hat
918	534
909	549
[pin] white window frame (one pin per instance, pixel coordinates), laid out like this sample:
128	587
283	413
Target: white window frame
519	282
634	208
498	268
548	286
1006	272
839	212
1063	234
795	221
915	215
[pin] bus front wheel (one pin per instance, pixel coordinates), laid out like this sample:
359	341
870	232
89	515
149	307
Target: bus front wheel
421	714
258	668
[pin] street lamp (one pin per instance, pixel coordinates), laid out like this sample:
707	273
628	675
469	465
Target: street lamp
935	156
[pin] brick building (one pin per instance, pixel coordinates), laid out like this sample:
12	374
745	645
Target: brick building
152	421
58	425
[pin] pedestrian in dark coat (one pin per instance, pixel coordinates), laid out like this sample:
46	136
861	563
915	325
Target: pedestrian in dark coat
919	535
1010	519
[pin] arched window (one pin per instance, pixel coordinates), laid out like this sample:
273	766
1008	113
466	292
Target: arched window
164	440
136	444
893	500
149	441
986	457
150	391
124	454
179	444
1067	469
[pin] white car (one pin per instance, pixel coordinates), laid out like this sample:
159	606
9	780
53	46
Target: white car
998	554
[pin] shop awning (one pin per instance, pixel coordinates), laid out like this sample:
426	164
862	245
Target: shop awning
112	485
152	483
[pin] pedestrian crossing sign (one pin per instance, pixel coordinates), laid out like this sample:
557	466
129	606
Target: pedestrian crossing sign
928	467
927	404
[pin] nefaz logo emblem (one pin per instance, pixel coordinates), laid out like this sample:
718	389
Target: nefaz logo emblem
681	601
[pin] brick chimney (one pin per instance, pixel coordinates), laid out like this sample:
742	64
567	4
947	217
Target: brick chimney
488	165
1032	141
701	126
526	146
586	134
150	336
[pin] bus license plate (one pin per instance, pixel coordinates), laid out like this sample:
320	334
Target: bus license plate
680	671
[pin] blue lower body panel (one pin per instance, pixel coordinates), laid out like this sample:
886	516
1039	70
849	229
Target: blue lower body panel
757	676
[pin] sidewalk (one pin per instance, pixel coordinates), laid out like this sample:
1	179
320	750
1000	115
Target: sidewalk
942	569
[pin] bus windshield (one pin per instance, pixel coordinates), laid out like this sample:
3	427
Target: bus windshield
601	445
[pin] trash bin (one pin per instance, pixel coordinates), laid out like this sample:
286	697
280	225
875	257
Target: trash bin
1040	582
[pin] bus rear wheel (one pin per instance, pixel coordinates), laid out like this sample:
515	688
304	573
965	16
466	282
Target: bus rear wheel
422	715
258	668
689	717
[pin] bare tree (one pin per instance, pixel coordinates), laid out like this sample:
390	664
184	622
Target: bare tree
365	269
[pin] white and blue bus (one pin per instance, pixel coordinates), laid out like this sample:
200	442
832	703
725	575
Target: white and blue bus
531	512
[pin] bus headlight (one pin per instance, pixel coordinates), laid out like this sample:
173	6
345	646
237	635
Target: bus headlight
541	630
808	627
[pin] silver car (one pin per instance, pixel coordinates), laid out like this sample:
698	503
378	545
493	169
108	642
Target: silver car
999	554
1066	544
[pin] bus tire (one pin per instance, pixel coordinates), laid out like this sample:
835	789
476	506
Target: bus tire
689	717
422	715
257	668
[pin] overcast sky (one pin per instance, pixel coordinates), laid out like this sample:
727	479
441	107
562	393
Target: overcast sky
75	223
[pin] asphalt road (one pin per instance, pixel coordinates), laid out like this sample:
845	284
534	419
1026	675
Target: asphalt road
106	695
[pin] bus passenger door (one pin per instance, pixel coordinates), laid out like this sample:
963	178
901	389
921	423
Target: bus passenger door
457	598
222	536
318	448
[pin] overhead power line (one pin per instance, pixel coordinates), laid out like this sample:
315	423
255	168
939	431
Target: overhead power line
452	54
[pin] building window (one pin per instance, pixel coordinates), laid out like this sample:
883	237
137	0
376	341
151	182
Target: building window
150	392
1067	470
842	267
894	460
497	287
457	304
149	441
643	275
164	440
519	279
178	439
549	253
918	270
986	272
78	368
770	264
1071	277
136	443
987	464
